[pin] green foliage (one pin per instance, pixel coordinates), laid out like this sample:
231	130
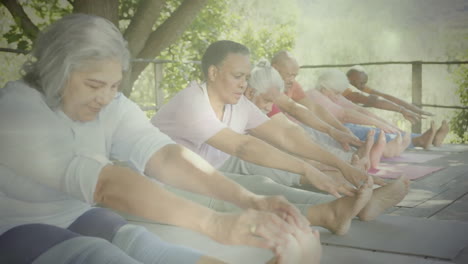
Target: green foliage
459	122
42	13
220	19
262	30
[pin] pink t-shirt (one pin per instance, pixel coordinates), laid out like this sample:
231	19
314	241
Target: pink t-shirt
295	92
274	110
189	120
324	101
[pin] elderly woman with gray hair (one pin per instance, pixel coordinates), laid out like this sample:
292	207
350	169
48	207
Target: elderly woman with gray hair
61	125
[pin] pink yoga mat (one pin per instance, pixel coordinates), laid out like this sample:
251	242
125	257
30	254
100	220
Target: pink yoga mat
413	157
412	172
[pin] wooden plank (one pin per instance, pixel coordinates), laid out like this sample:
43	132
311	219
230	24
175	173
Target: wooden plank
431	186
458	210
333	255
458	188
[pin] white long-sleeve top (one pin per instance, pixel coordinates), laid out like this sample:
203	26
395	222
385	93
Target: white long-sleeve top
47	149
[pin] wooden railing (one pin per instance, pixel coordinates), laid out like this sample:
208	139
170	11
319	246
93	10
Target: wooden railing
416	69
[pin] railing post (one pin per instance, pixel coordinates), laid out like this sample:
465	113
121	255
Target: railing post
416	91
158	77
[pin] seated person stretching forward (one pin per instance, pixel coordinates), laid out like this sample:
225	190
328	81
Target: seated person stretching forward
60	126
358	77
212	119
333	83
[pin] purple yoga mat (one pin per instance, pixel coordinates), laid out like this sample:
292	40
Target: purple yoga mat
412	172
413	157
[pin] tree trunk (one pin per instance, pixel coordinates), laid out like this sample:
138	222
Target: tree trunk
108	9
166	34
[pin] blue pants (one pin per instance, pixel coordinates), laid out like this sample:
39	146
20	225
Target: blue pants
361	132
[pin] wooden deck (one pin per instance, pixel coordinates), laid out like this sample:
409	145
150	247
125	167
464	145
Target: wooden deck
440	196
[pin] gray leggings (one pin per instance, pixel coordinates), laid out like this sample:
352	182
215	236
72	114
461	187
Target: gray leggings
97	236
131	244
262	185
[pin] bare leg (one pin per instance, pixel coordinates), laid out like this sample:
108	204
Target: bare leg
336	216
393	147
384	198
425	140
377	150
441	134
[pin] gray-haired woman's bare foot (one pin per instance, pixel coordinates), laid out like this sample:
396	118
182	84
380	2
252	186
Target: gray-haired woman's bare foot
425	140
441	134
384	198
336	216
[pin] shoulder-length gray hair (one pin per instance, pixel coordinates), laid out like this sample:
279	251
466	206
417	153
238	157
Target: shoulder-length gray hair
264	77
65	46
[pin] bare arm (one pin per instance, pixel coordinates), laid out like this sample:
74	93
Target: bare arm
314	116
355	117
123	189
257	151
341	100
401	102
180	167
376	101
323	113
292	138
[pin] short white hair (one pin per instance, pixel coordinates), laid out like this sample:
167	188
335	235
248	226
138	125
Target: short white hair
334	80
264	77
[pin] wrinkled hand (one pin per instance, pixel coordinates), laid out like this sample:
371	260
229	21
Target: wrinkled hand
327	184
345	139
251	228
281	207
357	177
411	116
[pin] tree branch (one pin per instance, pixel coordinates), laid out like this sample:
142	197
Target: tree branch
141	25
14	51
21	18
168	32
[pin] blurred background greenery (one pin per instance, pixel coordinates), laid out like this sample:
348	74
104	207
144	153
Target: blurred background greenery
316	31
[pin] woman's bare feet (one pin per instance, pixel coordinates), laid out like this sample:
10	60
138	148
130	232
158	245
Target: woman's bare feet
361	157
377	150
425	140
384	198
392	148
405	142
441	134
362	164
336	216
